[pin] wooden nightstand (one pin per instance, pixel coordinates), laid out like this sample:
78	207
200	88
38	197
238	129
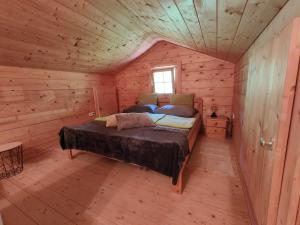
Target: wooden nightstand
216	127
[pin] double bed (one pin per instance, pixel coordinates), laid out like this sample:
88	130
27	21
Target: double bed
164	148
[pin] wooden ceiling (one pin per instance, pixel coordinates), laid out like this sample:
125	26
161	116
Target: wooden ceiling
102	35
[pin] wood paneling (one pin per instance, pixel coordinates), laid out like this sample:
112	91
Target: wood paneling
100	36
253	17
263	99
289	210
50	191
35	104
207	77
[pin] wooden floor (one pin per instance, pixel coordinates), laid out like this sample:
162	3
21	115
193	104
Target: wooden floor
90	190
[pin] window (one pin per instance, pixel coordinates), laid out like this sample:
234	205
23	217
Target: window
163	80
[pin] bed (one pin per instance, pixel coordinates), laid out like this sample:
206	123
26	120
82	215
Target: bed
162	148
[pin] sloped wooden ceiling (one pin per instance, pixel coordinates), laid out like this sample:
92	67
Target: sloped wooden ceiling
101	35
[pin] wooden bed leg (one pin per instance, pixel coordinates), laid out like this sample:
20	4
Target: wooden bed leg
177	188
70	154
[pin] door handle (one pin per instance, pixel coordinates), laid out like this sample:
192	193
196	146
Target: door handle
268	144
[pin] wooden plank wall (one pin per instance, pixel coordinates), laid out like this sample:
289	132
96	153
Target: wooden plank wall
35	104
269	57
206	76
256	162
289	208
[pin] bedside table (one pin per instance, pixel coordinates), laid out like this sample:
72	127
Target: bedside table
216	127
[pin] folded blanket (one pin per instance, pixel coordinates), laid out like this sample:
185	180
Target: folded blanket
153	117
159	150
176	121
156	117
101	118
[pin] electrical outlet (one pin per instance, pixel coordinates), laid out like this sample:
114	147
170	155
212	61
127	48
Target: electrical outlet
92	114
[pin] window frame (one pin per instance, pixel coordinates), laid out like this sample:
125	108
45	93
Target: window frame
173	75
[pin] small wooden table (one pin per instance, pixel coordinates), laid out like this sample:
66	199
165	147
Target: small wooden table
11	159
216	127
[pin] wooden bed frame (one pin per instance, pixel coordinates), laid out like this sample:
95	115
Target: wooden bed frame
192	137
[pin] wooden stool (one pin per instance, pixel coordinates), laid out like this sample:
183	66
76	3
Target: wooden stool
11	159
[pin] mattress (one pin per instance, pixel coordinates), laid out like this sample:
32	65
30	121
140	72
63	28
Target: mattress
163	120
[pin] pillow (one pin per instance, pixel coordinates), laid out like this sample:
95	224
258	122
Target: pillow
141	108
111	121
133	120
148	99
182	99
177	110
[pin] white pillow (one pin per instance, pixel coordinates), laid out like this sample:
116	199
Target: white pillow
111	121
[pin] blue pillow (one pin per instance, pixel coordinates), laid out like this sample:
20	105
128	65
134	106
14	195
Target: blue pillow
150	108
177	110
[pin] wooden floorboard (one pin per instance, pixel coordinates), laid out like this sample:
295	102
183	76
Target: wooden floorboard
92	190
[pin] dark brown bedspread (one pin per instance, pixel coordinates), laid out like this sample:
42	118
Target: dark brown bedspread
160	150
